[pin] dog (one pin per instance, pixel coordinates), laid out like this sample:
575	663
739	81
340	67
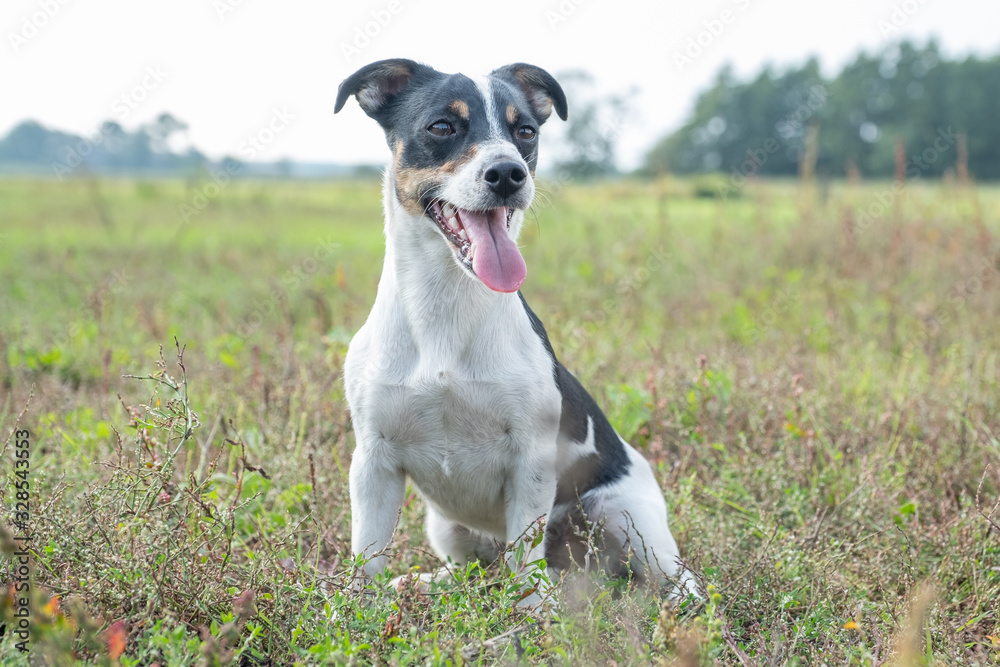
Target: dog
452	381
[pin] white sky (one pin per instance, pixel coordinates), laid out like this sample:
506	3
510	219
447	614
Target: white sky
227	65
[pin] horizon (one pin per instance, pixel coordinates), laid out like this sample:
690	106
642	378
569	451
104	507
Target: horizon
683	46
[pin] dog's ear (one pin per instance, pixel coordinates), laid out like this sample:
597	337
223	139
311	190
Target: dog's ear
376	84
542	90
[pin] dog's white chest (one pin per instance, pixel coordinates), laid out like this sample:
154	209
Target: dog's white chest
458	424
444	410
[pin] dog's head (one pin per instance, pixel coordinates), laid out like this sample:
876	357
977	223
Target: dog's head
464	153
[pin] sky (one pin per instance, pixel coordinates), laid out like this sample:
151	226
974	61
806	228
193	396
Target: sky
257	79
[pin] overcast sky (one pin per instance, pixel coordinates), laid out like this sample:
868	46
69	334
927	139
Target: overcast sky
232	68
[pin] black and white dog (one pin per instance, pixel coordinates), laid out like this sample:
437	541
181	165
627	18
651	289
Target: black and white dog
452	381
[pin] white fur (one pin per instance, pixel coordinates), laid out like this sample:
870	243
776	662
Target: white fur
485	89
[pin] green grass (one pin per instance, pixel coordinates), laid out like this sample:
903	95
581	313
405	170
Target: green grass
821	409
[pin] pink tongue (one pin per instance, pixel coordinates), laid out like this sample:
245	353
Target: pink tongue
497	261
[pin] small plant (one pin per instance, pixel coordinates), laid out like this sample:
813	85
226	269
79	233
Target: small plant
694	642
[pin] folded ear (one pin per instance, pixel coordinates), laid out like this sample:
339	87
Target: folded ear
541	89
376	84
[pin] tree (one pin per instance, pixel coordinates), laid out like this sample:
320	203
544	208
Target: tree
162	129
32	145
592	129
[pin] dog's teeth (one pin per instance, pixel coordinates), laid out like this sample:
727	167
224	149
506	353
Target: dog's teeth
472	252
453	223
448	210
462	235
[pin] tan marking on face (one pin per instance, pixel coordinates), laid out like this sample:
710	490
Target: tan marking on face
454	165
410	181
461	108
451	166
511	113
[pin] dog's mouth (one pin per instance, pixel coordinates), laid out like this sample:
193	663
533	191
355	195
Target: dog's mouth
482	243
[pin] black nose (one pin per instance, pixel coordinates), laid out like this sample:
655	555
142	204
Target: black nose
505	178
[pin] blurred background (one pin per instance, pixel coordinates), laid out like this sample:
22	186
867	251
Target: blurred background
116	87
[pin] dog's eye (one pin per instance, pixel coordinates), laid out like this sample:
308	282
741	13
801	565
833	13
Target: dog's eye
525	133
442	128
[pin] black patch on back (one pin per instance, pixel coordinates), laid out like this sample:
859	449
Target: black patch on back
610	462
539	329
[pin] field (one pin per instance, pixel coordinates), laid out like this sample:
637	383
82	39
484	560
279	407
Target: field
817	391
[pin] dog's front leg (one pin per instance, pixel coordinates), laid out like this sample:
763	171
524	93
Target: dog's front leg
377	489
529	498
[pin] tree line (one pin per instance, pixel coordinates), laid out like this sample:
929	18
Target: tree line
906	106
33	147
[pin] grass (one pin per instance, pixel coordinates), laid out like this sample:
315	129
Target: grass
819	399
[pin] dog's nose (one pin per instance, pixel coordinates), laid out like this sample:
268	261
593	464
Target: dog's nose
505	178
